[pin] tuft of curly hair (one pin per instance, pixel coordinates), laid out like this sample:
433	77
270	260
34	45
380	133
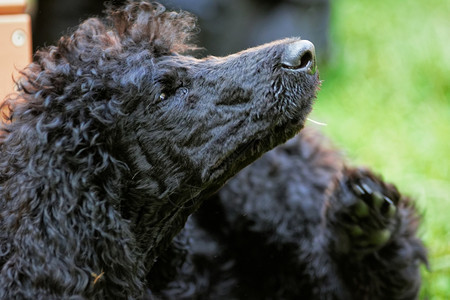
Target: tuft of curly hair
115	138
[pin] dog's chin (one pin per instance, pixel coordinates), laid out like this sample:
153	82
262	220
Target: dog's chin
246	153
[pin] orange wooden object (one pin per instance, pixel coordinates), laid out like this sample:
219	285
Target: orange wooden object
12	7
15	43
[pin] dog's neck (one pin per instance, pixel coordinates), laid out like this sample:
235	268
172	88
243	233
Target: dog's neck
157	198
155	221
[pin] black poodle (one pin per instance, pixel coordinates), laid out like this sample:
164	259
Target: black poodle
114	139
297	224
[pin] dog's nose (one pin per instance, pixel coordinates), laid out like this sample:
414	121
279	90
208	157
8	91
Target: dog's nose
300	56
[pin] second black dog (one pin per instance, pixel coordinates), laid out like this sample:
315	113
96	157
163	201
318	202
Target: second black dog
298	224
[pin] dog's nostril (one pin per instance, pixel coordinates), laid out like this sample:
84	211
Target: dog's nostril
306	59
299	55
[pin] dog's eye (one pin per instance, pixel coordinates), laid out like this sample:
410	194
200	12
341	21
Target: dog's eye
163	96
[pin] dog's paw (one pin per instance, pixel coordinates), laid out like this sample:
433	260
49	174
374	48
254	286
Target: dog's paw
367	211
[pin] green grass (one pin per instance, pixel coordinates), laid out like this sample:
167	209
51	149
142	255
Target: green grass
386	100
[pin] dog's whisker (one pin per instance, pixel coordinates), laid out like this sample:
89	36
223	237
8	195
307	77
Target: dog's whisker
317	122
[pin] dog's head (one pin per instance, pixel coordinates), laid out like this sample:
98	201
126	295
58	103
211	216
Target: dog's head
199	121
174	118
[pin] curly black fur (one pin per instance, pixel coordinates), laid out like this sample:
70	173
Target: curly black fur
297	224
115	138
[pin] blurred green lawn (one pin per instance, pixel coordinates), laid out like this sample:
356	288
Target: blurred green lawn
386	99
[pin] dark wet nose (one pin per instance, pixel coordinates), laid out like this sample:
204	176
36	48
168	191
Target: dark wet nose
299	56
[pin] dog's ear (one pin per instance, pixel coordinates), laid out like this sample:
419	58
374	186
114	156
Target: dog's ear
149	25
